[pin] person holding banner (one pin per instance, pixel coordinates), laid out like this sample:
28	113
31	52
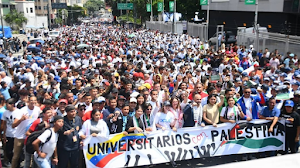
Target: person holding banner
164	120
177	112
211	110
95	127
292	126
231	113
136	123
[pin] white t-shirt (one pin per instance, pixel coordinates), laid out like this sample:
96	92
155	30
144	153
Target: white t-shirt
164	119
8	116
24	125
49	146
248	106
232	113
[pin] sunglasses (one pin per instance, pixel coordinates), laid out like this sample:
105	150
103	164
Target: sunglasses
149	109
247	92
82	109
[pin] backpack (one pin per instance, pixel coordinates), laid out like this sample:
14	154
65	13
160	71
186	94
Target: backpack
32	137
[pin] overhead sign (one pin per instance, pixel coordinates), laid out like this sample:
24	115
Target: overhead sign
157	147
203	2
59	5
125	6
250	2
171	6
160	6
148	6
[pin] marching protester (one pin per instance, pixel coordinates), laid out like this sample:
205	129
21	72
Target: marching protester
47	153
128	81
68	142
94	127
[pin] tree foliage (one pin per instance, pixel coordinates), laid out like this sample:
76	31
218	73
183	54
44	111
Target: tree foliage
74	13
94	5
15	18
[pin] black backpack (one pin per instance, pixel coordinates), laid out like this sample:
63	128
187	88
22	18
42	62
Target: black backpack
32	137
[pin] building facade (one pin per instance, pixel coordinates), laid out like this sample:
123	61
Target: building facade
280	16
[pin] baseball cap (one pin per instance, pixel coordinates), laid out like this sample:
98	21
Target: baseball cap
57	78
114	90
99	100
70	108
289	103
133	100
121	97
167	103
63	101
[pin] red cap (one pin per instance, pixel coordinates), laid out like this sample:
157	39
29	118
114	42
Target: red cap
63	101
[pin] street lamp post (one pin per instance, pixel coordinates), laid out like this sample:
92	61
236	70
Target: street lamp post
207	19
256	26
151	17
2	21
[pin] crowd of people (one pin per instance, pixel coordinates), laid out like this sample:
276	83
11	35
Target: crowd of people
130	81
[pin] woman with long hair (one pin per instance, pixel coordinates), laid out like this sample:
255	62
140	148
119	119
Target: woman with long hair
177	112
136	123
141	101
148	117
211	110
94	127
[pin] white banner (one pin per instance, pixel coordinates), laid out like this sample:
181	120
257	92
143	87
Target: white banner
187	143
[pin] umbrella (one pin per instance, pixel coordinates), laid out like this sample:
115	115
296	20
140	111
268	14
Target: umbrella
2	56
131	35
37	58
82	46
40	41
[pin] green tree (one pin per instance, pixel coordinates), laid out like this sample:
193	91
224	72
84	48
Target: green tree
94	5
15	18
75	12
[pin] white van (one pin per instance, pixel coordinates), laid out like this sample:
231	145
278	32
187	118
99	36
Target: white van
246	36
54	34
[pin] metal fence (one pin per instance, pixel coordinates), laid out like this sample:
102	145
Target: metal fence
283	43
193	29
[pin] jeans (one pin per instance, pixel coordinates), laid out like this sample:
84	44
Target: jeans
45	163
64	157
28	157
18	149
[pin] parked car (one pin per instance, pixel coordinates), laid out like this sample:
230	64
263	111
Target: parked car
231	38
53	34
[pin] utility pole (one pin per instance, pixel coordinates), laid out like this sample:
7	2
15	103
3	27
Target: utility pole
256	26
48	13
3	33
207	20
151	17
163	11
174	20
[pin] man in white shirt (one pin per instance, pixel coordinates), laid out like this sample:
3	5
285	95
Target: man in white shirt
22	121
8	131
49	139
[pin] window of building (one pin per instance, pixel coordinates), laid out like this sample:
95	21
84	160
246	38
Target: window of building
31	10
45	7
39	7
4	6
35	7
26	10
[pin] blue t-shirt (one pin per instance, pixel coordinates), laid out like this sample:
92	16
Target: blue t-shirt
5	93
266	112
